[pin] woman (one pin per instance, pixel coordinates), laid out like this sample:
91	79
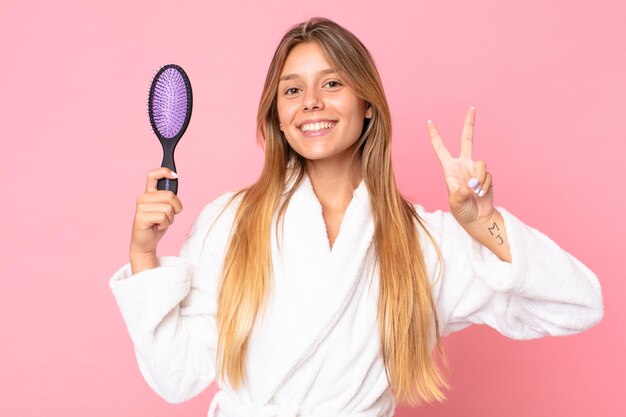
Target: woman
341	310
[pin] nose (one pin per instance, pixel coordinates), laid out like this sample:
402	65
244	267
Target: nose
312	99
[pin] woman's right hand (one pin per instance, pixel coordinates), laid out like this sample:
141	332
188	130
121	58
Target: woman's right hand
154	214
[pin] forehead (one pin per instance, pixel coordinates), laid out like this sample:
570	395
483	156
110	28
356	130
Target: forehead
305	59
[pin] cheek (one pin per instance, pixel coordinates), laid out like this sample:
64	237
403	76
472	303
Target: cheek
347	106
285	110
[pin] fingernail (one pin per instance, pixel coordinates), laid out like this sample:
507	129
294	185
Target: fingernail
478	190
481	193
175	175
429	121
473	107
472	182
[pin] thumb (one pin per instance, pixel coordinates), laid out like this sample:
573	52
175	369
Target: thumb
462	193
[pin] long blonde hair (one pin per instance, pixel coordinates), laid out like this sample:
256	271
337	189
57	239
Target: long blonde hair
407	319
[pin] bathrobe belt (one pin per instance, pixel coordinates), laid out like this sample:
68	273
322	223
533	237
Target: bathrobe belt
233	408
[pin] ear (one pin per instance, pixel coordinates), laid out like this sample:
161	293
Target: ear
369	111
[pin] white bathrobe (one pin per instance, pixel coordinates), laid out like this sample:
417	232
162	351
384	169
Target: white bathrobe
315	352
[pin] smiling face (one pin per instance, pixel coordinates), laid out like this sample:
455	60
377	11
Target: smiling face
320	115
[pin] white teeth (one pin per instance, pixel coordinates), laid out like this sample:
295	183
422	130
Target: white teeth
316	126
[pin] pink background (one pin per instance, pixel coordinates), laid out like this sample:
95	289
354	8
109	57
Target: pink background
548	80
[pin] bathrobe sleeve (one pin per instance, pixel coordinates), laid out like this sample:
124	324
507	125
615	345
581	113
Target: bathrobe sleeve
170	311
543	291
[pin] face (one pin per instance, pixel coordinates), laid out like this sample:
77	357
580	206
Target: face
309	92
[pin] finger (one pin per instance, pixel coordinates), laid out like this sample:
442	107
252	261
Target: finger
162	196
150	208
487	186
460	195
479	172
437	142
467	137
161	220
155	175
151	219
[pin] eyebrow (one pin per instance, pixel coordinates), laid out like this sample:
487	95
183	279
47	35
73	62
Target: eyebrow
290	76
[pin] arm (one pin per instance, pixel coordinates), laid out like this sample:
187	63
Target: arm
170	310
140	262
542	291
492	234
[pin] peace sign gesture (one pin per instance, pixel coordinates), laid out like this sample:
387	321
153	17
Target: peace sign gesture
469	184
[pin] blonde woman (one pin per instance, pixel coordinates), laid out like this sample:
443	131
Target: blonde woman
320	290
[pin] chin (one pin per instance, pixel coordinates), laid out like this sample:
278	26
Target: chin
321	155
313	156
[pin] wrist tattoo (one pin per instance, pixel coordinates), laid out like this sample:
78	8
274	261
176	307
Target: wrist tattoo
491	230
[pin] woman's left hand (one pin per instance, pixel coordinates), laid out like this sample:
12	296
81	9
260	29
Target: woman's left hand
466	204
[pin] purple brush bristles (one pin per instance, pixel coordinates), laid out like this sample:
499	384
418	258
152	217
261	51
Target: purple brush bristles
169	103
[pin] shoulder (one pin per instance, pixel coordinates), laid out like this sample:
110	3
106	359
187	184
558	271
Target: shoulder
217	212
438	221
212	227
443	230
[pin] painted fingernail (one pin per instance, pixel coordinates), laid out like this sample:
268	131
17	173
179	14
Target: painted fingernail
481	193
429	121
478	190
473	107
175	175
472	182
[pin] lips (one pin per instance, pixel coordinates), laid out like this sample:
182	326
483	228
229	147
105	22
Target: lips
310	127
316	133
309	121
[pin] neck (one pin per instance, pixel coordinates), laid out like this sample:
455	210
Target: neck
334	183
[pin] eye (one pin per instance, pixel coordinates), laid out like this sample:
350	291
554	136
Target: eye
336	82
289	89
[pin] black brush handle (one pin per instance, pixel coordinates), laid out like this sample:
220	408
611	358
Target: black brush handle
168	161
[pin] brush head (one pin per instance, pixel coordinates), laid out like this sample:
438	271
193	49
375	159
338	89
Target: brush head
170	102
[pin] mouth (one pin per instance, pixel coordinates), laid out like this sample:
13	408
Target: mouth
317	129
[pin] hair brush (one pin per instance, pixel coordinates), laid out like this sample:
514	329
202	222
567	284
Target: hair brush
169	109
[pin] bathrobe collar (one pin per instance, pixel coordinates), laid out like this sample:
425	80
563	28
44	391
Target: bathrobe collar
312	285
358	208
